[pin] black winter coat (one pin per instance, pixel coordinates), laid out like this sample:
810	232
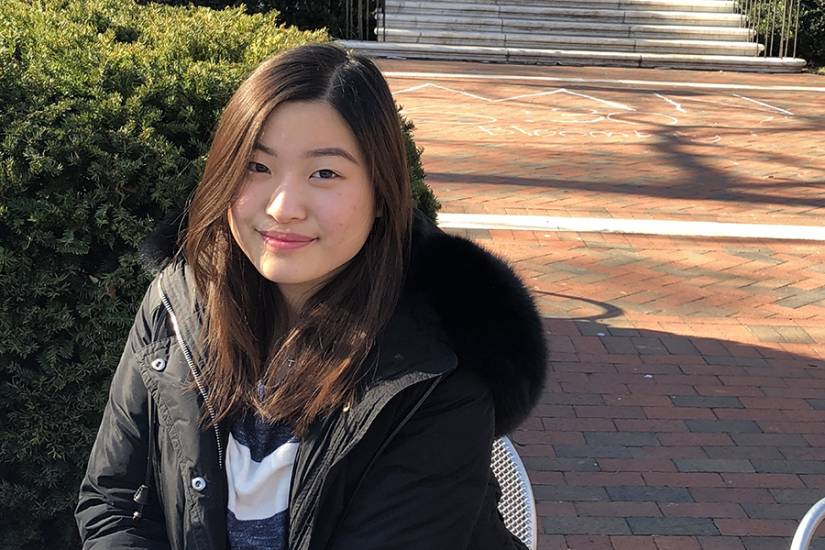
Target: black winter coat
408	467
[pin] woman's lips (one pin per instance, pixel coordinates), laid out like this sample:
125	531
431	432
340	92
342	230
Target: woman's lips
286	241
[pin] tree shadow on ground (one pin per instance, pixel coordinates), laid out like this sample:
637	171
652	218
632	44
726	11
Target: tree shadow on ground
649	433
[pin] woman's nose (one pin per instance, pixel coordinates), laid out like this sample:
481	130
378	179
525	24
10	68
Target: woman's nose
288	201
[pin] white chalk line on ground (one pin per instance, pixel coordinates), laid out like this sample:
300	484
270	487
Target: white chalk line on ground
612	104
654	83
783	111
675	104
641	227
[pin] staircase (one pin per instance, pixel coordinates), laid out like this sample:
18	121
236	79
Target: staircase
693	34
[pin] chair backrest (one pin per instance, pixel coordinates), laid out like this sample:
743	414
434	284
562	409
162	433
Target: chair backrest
807	526
517	505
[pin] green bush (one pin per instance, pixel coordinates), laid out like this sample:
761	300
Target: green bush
304	14
767	17
106	111
422	195
811	45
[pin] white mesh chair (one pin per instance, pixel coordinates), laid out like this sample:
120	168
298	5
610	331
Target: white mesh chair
517	505
807	527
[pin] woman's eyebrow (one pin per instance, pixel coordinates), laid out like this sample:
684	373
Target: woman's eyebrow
323	152
331	152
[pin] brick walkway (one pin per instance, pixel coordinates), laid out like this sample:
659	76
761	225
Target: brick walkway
618	149
687	382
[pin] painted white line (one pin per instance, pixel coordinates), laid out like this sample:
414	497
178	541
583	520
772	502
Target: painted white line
643	227
674	103
655	83
783	111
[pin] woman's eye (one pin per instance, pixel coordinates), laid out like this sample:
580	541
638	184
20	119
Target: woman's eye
326	174
257	167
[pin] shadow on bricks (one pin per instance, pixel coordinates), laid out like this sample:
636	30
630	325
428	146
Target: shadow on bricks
647	439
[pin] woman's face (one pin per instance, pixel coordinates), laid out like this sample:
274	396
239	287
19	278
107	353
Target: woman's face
306	205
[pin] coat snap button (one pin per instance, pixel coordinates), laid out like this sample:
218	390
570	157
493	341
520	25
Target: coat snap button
158	364
198	483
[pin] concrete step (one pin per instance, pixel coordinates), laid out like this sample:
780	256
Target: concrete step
533	56
551	42
470	10
724	6
578	28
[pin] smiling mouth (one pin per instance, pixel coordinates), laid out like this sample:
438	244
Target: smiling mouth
285	236
284	242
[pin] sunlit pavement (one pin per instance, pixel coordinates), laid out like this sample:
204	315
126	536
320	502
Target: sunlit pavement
686	398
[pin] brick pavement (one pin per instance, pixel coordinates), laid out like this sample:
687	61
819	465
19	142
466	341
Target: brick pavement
618	149
686	392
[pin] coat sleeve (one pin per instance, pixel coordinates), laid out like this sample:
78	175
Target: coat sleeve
117	464
427	487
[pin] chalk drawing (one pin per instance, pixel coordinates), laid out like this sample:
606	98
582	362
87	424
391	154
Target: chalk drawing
591	116
735	99
424	115
612	104
783	111
551	119
411	89
674	103
601	81
502	131
643	118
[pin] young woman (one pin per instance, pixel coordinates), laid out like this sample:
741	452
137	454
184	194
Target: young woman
315	365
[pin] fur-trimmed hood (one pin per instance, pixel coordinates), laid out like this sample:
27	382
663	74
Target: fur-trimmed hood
464	295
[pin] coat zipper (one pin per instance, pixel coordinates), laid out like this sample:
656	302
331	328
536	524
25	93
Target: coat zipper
195	372
325	468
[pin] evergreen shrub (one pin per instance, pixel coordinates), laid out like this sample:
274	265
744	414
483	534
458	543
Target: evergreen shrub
107	108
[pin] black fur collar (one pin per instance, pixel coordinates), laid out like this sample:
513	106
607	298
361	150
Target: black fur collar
485	310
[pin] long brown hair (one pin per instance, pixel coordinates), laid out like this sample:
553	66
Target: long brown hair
315	366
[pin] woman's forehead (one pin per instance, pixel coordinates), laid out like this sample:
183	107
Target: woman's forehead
301	128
